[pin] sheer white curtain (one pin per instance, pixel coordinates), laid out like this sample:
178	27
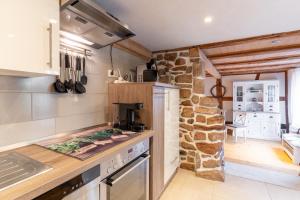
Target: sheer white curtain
295	99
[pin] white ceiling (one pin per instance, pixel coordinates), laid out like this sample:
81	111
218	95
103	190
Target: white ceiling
167	24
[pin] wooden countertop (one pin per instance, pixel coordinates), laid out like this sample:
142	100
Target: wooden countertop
64	168
158	84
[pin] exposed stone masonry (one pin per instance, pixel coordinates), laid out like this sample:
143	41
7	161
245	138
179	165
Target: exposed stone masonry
201	125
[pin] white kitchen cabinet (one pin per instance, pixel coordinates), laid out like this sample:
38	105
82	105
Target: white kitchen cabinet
271	92
171	133
260	100
238	96
261	125
29	37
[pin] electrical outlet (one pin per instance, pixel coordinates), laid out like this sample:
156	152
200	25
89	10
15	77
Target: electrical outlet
112	75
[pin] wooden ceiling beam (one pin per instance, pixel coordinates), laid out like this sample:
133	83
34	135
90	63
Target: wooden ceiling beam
234	42
295	62
253	72
249	39
260	60
209	67
256	51
278	67
132	47
261	56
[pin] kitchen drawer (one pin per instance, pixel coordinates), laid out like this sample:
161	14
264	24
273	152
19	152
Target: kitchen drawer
270	117
239	107
254	117
270	107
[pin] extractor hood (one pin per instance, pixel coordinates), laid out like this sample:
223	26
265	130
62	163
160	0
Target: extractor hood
86	18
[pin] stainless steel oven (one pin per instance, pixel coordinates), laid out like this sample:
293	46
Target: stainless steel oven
131	182
126	175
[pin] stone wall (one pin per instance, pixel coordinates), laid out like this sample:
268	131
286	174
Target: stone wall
201	125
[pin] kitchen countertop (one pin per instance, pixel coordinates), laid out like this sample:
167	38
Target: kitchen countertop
63	168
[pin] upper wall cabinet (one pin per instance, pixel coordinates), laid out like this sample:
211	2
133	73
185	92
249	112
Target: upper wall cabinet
29	38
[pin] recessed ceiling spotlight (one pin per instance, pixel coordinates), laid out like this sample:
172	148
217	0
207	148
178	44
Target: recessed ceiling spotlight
208	19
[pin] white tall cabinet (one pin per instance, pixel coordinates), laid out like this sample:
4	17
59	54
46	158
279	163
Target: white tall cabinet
260	100
29	37
171	133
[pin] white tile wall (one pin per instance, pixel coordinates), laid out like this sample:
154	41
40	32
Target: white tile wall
74	122
30	109
15	107
26	131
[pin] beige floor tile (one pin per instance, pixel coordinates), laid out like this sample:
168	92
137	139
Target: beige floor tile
240	188
281	193
186	186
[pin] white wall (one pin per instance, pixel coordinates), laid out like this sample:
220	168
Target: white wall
227	82
30	109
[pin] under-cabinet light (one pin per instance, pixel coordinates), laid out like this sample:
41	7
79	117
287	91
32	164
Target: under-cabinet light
75	38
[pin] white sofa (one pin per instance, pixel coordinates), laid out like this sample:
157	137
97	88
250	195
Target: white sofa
291	145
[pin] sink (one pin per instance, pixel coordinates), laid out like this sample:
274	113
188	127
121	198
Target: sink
15	167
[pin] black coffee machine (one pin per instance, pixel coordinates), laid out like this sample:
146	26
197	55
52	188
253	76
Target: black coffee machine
128	117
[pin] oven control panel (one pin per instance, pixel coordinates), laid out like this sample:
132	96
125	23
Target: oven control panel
117	161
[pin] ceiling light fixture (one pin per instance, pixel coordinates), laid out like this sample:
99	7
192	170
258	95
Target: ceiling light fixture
75	38
208	19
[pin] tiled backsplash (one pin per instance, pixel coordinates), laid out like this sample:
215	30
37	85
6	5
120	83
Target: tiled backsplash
31	110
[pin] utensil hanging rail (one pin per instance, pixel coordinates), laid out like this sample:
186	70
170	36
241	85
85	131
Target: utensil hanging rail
77	50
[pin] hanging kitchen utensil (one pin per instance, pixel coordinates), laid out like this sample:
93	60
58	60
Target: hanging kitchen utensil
79	88
68	81
84	78
59	85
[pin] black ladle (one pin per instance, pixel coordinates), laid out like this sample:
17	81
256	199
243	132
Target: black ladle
84	78
79	88
59	85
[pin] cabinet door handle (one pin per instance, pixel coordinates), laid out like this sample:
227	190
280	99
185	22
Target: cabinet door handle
50	29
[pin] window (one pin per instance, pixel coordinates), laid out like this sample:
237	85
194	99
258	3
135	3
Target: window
295	99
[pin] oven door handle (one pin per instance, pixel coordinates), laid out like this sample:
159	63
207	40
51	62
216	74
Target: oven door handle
111	182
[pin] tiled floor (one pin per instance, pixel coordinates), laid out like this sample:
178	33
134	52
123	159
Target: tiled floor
260	153
186	186
273	177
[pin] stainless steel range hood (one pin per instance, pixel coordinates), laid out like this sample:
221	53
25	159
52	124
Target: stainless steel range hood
88	20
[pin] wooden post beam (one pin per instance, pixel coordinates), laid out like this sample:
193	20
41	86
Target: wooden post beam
257	76
209	67
219	92
286	84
